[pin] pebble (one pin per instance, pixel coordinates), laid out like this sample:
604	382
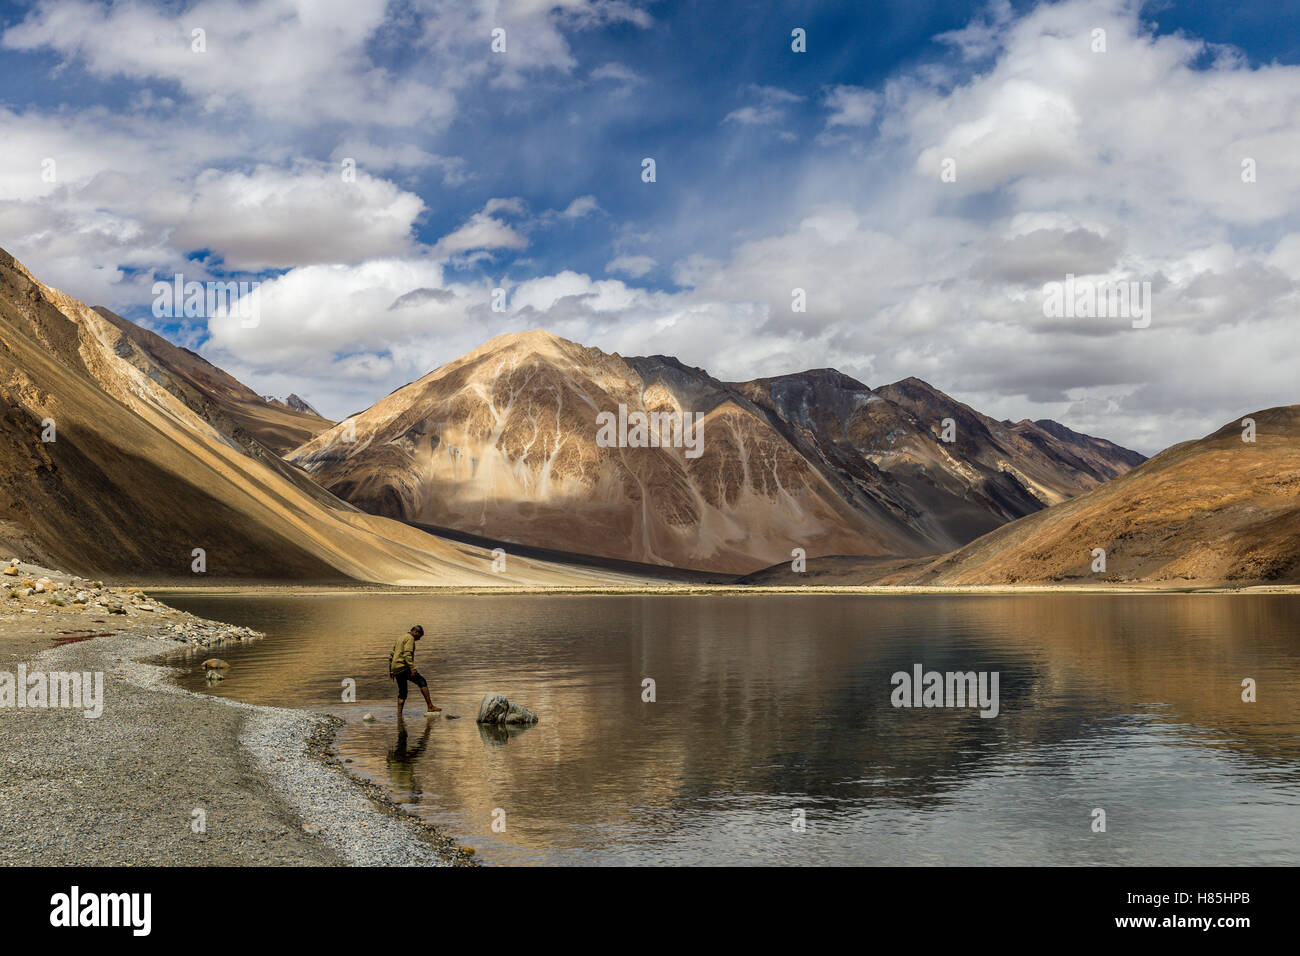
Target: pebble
110	755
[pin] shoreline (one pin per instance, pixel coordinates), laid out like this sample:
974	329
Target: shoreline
691	590
165	776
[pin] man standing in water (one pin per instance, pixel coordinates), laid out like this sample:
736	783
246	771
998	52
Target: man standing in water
401	668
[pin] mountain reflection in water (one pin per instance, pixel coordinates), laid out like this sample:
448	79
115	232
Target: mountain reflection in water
771	705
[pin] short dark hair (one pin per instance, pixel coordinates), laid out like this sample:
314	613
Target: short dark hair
419	631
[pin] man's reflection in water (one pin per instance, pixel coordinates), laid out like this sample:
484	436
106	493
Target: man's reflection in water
401	758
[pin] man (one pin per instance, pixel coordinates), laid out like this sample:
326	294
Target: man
401	668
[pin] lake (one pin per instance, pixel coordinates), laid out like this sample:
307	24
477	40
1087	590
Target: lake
772	738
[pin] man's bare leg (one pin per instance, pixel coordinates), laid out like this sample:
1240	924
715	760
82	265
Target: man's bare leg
401	702
425	691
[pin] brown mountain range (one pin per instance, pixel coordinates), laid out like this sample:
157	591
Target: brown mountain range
1216	511
121	454
504	442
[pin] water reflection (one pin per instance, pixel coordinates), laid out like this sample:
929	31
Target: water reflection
498	735
401	759
770	704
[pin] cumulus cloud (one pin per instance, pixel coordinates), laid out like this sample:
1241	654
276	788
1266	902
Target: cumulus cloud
1126	165
274	218
1045	255
298	61
484	230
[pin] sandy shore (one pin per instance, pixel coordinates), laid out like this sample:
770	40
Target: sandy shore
131	786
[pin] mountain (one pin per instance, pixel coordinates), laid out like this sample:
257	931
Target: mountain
989	474
228	405
120	454
294	404
1045	459
300	405
1218	510
505	443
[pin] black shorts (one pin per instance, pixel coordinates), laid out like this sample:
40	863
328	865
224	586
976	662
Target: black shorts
403	676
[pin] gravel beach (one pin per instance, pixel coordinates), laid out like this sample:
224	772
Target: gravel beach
162	776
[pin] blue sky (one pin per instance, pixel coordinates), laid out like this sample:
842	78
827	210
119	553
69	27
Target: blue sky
775	170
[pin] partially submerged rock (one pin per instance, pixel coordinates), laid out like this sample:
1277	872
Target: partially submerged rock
215	664
497	709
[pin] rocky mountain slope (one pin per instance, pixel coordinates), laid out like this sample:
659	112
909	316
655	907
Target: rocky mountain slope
293	403
989	473
109	464
227	404
504	442
1213	511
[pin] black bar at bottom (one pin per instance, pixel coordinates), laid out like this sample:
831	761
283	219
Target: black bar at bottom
334	905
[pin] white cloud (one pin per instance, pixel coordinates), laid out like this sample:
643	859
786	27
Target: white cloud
768	108
851	106
400	157
754	116
484	231
298	61
624	76
580	207
1122	165
311	315
634	266
270	218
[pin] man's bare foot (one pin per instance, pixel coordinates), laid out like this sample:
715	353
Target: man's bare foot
433	710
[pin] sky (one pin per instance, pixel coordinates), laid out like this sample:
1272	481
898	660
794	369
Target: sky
921	171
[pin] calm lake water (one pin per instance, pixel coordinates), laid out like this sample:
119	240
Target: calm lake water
768	706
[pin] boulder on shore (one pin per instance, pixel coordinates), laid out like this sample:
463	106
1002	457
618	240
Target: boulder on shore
496	709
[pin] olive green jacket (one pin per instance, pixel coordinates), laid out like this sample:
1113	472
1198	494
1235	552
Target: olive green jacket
403	654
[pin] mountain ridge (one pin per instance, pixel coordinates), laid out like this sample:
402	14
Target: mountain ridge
454	448
109	465
1210	512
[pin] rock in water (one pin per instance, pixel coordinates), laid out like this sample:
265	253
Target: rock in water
492	708
215	663
496	709
368	718
520	715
